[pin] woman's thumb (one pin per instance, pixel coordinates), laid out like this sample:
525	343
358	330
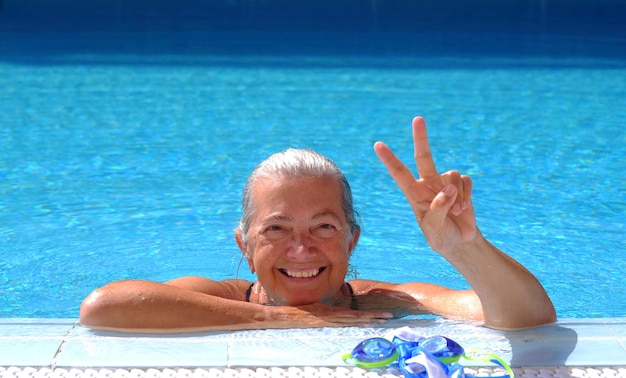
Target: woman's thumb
443	201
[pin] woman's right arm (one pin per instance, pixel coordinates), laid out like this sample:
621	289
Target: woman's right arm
146	306
183	305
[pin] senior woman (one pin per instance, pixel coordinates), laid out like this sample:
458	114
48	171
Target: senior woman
297	233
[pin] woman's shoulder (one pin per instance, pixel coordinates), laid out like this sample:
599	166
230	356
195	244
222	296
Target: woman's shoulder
229	288
363	286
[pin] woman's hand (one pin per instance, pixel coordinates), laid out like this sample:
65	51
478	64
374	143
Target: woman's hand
441	202
510	296
320	315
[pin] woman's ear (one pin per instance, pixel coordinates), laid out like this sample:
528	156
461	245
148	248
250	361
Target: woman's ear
244	246
355	238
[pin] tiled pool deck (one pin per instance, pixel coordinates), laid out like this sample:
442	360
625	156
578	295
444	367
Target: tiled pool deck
61	347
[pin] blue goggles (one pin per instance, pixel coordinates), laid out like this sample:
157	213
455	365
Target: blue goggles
419	358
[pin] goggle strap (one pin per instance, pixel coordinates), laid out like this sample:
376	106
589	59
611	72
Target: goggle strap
491	358
349	359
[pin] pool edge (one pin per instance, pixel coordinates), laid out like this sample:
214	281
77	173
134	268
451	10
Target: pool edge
64	344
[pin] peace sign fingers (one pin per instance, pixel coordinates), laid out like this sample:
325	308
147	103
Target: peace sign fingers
428	172
422	191
421	150
413	189
441	202
398	171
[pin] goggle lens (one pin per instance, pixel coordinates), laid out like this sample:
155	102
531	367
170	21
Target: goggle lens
375	352
447	350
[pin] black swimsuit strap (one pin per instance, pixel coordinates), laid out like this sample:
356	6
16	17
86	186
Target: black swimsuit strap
350	289
248	292
354	305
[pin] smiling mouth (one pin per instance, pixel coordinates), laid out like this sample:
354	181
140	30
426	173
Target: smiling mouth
301	274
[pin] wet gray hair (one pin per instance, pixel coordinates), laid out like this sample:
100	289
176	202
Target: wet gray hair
296	163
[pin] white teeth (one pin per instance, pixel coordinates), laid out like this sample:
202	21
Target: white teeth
309	274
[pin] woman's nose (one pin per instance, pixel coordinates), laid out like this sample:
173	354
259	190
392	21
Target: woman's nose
302	246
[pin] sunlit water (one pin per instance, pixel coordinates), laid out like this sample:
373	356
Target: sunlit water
120	165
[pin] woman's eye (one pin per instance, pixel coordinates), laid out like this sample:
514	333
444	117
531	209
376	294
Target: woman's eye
274	232
325	230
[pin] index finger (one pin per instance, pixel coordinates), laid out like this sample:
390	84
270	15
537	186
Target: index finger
421	150
396	168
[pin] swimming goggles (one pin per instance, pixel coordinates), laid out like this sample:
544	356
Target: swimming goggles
419	357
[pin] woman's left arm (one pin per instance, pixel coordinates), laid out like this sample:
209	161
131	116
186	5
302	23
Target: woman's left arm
510	296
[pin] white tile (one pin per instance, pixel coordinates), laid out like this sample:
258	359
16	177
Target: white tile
575	343
31	342
34	342
296	347
294	352
35	327
617	326
142	352
598	353
584	328
111	349
28	352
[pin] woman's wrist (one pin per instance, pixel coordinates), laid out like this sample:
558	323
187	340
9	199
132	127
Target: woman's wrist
469	250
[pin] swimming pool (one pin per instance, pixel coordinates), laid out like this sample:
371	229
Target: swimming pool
125	151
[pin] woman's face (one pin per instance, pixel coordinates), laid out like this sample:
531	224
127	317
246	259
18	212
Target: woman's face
299	241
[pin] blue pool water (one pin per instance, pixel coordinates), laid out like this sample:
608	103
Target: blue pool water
124	151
